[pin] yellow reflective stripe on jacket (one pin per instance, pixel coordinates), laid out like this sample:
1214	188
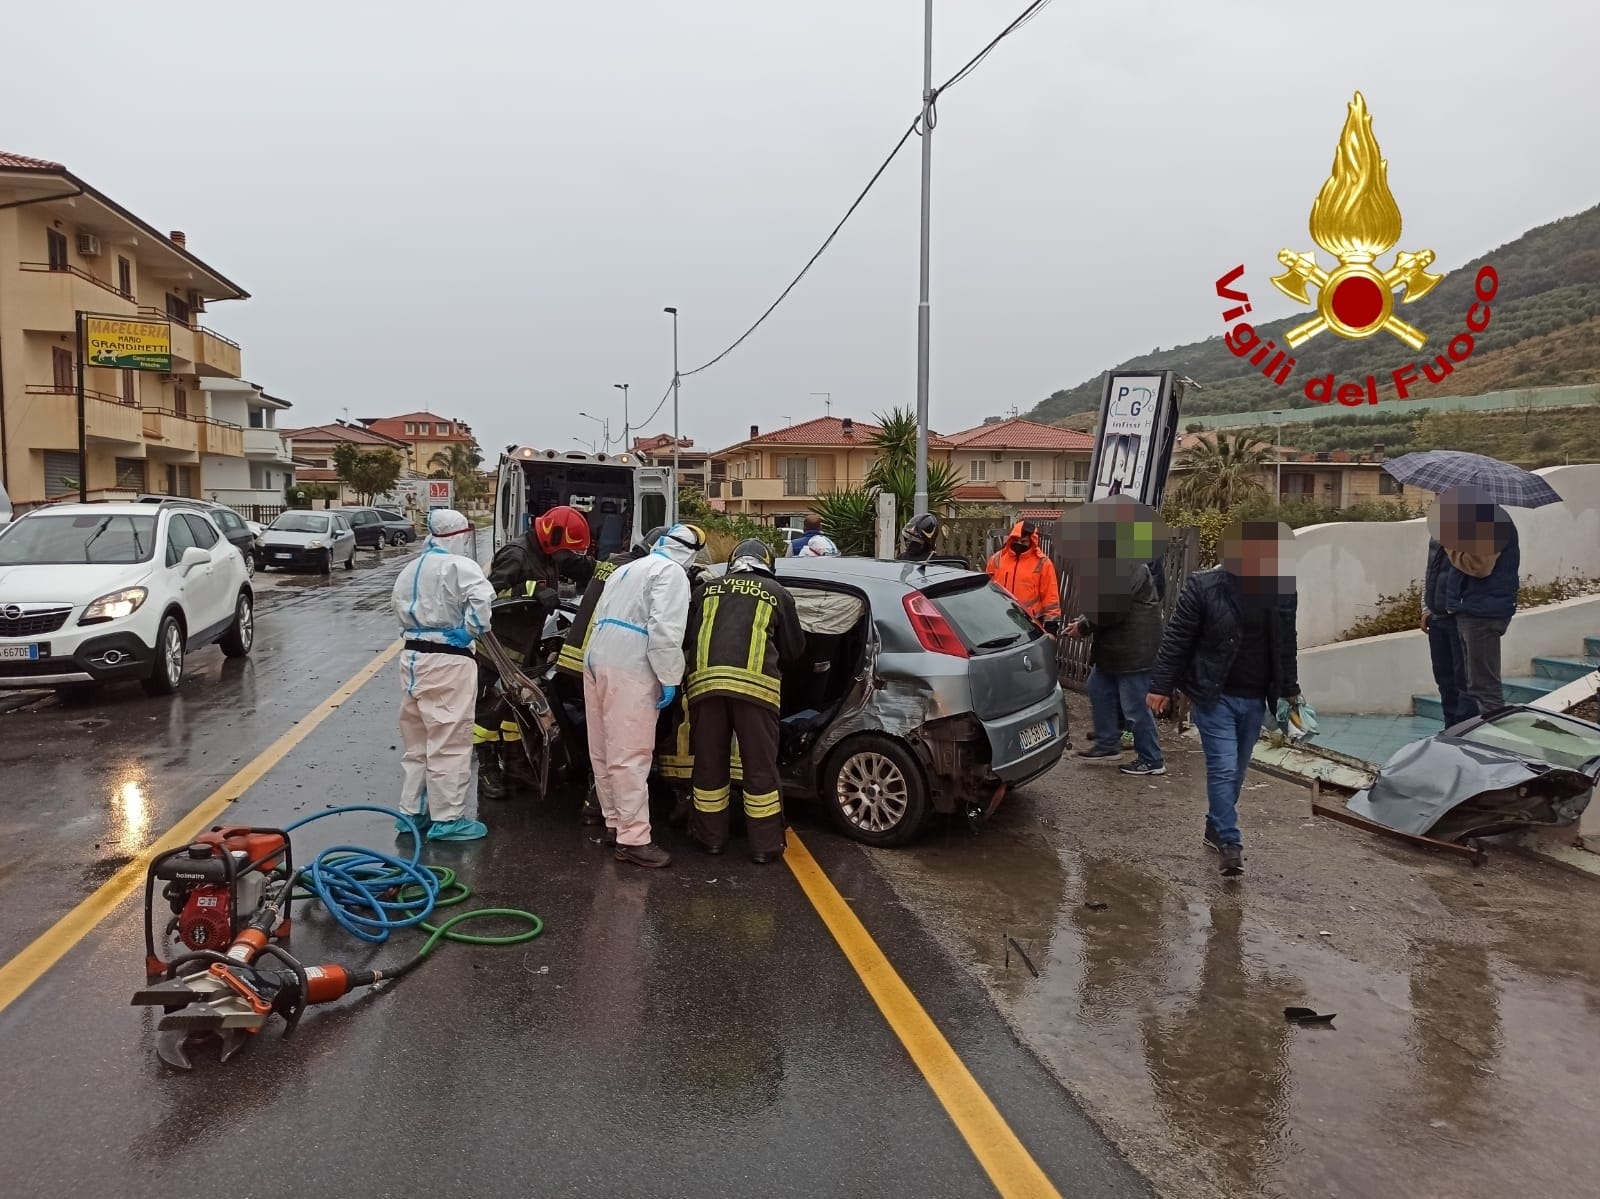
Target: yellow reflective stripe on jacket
571	656
529	586
708	620
737	681
758	640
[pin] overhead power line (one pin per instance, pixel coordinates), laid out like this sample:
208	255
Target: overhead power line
971	65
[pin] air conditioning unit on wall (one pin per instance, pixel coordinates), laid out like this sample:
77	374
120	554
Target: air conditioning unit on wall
88	245
997	456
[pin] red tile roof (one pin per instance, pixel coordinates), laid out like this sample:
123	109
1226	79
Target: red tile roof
979	491
661	441
338	432
30	164
823	431
1021	434
1038	513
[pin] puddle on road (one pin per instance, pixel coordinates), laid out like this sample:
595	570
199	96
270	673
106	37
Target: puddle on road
1464	1069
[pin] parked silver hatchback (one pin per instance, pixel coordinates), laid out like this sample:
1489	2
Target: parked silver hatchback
923	689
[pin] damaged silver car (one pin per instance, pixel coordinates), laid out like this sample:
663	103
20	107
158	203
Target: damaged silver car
924	688
1517	768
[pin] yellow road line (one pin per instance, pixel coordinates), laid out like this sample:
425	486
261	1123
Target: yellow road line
22	971
1009	1165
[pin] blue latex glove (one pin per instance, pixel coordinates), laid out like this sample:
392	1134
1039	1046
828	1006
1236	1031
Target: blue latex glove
668	694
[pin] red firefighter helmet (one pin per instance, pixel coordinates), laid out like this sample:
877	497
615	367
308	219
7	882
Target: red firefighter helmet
562	528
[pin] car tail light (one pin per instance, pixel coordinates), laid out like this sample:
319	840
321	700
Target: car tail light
932	629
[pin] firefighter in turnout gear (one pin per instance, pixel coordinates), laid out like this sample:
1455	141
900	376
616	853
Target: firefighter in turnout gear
743	630
528	569
569	664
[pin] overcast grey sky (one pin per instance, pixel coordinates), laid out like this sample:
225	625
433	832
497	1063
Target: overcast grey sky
481	207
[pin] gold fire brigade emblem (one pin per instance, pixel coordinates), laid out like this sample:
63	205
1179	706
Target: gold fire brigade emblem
1355	218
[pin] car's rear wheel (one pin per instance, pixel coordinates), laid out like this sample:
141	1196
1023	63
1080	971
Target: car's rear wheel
875	790
325	567
166	672
236	642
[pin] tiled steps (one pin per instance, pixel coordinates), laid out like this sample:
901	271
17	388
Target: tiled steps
1549	673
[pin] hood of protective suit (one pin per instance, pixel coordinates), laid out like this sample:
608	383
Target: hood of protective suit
448	531
681	544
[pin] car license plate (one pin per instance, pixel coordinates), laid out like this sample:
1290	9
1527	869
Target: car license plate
19	653
281	555
1037	734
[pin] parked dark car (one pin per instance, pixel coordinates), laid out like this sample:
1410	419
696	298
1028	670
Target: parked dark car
397	526
367	525
234	527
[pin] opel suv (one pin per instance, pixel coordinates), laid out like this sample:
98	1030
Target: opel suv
102	593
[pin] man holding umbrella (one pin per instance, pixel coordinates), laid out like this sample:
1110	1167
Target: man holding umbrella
1474	561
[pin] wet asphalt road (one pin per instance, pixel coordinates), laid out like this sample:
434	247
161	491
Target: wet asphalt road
685	1032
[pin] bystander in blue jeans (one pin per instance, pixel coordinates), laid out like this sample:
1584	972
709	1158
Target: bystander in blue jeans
1228	731
1115	697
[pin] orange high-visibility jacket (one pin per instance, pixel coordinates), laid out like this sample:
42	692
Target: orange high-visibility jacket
1030	576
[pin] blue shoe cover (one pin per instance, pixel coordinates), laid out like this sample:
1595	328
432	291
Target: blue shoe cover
457	830
422	820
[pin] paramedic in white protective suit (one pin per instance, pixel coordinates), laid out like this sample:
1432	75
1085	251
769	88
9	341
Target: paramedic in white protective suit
632	670
442	600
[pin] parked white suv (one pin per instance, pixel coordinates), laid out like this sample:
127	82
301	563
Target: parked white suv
99	593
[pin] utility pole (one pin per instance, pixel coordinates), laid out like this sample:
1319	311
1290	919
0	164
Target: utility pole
83	422
626	444
675	381
1277	452
921	503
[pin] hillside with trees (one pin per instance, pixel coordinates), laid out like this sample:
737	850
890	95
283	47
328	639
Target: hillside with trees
1545	331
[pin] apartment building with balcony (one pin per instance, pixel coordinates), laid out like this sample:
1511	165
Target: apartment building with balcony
1035	469
66	247
777	476
423	434
312	450
265	469
694	466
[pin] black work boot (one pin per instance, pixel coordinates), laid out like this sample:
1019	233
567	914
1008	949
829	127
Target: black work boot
644	855
1232	861
491	779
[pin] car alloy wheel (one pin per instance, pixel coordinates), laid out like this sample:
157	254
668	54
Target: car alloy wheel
872	792
172	654
236	642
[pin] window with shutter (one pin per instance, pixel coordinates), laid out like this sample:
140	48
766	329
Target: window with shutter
57	242
1022	468
180	401
125	277
61	369
61	474
978	471
127	388
130	474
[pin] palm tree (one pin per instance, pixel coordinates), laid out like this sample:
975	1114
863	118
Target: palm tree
895	471
1221	472
458	461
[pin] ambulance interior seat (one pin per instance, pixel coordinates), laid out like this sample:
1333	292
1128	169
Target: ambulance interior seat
835	625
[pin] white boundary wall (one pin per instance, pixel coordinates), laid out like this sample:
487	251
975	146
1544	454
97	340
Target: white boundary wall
1343	569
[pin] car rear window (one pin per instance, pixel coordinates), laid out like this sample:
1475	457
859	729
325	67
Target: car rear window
985	616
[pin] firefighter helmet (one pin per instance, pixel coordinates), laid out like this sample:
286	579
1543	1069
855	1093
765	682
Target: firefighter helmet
562	528
753	554
921	533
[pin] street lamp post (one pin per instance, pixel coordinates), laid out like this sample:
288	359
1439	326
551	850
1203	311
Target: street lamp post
675	381
921	504
605	427
623	388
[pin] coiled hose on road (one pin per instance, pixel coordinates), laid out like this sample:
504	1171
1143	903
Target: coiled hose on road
370	893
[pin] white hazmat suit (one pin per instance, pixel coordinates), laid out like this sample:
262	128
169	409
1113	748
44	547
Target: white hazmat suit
442	601
633	666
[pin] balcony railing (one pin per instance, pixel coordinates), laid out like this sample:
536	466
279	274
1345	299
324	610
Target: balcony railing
89	393
76	272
